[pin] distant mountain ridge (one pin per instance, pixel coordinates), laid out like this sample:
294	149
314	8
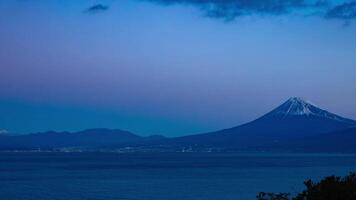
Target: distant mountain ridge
294	125
90	138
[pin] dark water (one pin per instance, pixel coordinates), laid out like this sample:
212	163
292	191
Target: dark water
160	176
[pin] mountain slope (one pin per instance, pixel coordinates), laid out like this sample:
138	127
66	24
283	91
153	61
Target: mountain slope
293	119
340	141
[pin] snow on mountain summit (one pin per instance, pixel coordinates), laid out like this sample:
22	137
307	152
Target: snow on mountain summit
297	106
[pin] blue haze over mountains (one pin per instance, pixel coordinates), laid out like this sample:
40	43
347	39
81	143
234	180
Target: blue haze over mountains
295	125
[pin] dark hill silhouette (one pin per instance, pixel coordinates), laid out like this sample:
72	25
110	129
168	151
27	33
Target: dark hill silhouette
86	138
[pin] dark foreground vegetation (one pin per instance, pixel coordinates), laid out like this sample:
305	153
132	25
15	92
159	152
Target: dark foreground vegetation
329	188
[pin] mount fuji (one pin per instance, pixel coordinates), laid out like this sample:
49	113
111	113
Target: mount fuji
297	106
295	118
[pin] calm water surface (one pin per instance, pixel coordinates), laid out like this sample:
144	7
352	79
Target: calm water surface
161	176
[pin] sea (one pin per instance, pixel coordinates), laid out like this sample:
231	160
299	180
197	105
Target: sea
161	176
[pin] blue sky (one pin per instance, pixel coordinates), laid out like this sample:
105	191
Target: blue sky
171	67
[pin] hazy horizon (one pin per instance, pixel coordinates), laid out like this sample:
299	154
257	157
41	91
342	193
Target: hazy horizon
173	67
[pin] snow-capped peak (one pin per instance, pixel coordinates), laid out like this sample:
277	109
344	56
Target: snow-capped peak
297	106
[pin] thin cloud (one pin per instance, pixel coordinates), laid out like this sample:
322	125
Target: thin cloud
97	8
229	10
344	11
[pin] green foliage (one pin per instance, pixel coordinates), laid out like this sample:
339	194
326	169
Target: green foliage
329	188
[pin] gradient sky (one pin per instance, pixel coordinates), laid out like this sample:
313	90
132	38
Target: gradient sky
170	67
